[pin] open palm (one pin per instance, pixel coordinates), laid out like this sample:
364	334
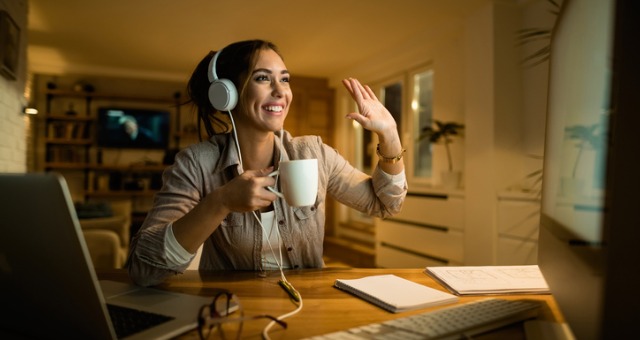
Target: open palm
372	115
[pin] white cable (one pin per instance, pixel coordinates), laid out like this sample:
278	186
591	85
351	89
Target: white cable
265	334
264	231
265	331
235	137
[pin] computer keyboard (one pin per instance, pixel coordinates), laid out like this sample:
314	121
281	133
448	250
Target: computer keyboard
127	321
460	321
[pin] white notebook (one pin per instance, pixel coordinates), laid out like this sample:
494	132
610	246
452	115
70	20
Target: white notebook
483	280
394	293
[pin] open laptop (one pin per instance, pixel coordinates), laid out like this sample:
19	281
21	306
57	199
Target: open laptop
48	286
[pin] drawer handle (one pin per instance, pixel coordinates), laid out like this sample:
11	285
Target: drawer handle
421	225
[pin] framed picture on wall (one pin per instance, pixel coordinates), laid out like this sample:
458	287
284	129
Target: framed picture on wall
9	46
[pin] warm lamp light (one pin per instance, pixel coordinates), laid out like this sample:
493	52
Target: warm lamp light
30	111
414	105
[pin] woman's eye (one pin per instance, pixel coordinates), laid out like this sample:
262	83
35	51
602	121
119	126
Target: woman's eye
285	80
262	77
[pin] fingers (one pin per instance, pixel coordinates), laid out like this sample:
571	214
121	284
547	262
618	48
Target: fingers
364	94
372	115
354	89
248	192
358	91
347	84
263	172
362	120
370	92
260	180
359	94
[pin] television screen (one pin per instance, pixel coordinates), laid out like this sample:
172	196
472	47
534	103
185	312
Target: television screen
133	128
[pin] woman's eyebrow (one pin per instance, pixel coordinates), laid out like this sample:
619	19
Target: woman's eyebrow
269	71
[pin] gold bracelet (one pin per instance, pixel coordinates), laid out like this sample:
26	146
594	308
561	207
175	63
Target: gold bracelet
391	160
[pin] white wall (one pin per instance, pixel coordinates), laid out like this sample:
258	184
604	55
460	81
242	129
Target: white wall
444	53
13	123
478	80
480	115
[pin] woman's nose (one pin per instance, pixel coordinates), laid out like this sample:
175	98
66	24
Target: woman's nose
277	89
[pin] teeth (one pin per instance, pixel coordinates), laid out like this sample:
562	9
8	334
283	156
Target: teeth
273	108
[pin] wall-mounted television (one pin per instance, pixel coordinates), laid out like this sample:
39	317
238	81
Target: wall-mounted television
133	128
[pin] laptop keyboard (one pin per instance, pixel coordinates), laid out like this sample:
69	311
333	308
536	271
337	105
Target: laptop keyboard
128	321
457	322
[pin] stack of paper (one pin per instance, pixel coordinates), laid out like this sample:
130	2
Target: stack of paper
483	280
394	293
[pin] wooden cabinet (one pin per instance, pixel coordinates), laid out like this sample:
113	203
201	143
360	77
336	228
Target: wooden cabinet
429	231
312	108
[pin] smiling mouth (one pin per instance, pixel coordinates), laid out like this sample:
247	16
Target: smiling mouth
274	108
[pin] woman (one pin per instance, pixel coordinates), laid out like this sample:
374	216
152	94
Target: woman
215	194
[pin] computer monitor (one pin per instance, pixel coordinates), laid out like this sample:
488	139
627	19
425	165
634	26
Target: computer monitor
590	216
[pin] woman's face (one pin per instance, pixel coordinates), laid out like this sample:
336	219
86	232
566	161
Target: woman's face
268	93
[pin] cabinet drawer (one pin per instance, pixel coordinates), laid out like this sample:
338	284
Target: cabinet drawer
434	243
393	258
447	212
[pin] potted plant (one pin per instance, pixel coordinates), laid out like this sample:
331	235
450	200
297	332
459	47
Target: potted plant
443	133
532	35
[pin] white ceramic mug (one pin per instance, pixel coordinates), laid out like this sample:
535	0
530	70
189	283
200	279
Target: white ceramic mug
298	181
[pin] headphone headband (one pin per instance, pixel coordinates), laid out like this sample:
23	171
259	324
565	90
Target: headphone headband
212	74
222	92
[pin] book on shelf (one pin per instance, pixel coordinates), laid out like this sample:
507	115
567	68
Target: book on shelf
70	129
64	154
67	130
488	280
79	130
395	294
56	130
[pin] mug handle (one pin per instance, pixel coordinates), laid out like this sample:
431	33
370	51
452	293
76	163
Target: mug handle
275	173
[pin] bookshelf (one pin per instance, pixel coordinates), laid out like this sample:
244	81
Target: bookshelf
70	147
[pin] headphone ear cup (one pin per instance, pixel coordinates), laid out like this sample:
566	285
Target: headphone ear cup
223	95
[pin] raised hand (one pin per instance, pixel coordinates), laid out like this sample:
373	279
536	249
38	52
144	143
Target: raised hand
374	117
372	114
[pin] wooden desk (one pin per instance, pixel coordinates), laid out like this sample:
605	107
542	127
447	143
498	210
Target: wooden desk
326	309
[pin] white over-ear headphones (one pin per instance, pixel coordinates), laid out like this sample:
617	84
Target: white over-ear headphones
222	93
